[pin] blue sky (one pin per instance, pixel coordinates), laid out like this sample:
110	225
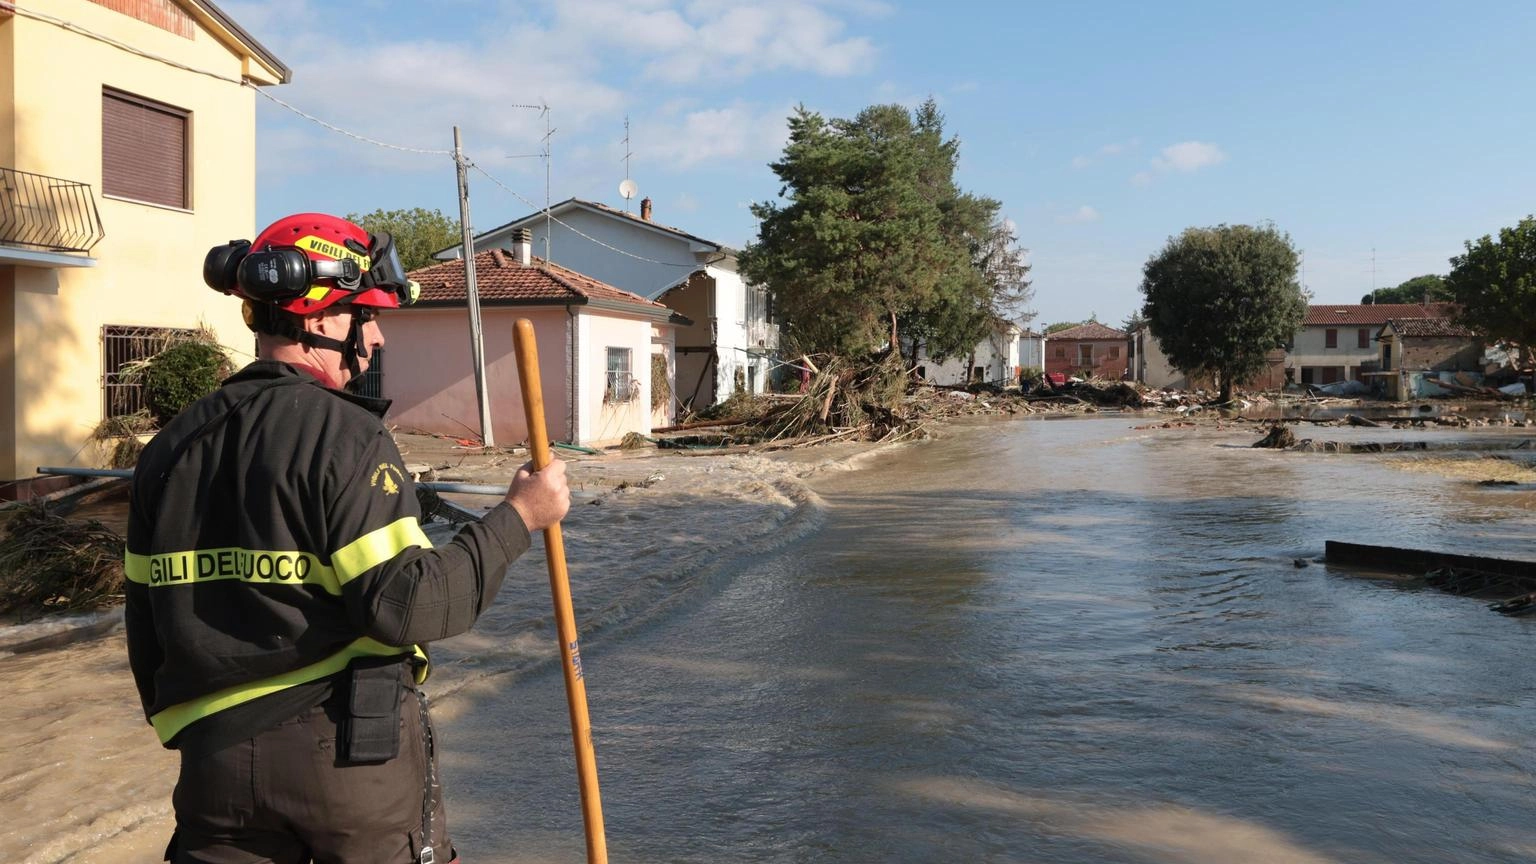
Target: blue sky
1385	132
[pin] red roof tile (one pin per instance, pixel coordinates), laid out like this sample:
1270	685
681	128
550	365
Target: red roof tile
498	277
1430	327
1093	330
1347	314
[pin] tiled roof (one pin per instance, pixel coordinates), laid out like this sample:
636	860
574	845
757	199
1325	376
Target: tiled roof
556	209
1084	332
1346	314
1429	327
499	278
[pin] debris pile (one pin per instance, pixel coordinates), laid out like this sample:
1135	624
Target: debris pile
49	563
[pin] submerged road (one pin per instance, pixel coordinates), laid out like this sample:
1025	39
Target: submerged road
1053	641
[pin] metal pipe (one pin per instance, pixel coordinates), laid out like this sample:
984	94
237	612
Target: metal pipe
435	486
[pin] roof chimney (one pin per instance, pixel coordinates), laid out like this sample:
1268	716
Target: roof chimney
522	246
645	209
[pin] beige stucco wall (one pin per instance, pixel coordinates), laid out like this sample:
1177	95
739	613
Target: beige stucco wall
148	270
1310	348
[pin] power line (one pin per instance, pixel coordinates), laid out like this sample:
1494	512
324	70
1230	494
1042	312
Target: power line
572	228
258	89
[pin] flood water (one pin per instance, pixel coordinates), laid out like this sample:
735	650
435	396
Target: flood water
1051	641
1026	641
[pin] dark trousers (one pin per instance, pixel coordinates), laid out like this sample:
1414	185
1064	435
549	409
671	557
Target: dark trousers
286	797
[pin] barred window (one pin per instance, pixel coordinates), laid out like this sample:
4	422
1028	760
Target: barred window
620	382
121	346
371	384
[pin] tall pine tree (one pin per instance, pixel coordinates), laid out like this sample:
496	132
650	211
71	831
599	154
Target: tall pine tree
873	246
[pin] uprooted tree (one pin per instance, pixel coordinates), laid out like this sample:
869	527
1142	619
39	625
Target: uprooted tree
874	248
1219	299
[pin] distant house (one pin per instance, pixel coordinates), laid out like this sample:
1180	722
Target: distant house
730	342
1031	350
1413	349
1087	349
1336	341
994	360
605	355
1151	367
120	166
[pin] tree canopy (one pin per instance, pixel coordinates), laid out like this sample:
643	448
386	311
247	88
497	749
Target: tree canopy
1413	290
1219	299
418	232
1495	284
874	246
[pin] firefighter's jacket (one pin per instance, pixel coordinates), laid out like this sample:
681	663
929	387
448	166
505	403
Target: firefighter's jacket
273	537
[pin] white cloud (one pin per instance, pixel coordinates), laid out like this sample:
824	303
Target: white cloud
591	61
1080	215
1188	157
1114	148
740	130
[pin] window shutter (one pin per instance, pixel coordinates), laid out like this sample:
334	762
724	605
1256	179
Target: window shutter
143	150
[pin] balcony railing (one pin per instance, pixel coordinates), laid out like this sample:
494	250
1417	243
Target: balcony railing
47	213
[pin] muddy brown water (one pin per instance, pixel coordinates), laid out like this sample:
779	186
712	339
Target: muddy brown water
1029	641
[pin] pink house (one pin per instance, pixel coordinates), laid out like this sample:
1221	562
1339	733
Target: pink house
606	356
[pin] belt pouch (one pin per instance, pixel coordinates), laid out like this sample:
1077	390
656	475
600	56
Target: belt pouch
372	726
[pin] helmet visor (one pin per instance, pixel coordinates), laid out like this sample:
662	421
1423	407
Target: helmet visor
387	272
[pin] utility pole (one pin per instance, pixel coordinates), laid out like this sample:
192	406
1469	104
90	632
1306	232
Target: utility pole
472	294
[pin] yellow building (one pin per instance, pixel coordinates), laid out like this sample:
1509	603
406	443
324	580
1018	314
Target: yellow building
119	168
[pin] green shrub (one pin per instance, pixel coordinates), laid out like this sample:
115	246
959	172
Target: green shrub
180	375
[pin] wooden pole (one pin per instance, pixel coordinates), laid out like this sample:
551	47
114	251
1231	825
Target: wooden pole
560	587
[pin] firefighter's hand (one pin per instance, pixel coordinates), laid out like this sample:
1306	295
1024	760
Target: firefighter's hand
541	498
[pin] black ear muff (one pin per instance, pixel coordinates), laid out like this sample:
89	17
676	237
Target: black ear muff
275	275
221	267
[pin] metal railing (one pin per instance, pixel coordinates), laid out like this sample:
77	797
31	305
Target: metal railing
47	212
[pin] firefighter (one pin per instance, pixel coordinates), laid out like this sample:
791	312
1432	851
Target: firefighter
280	590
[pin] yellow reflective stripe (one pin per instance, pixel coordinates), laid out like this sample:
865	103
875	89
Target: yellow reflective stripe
177	717
376	547
262	567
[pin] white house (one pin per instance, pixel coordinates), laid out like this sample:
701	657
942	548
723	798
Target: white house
1031	350
1336	339
730	342
994	360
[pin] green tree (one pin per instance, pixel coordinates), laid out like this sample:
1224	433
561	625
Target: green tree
1412	291
1133	322
1061	325
1219	299
873	245
418	232
1495	285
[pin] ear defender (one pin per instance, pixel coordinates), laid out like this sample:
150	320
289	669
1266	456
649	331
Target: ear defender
222	265
275	275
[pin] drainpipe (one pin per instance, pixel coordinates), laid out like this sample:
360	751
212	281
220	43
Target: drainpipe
570	386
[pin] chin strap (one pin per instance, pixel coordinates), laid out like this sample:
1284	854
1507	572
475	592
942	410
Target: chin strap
352	348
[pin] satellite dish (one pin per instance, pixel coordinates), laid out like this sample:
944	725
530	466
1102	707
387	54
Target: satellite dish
627	189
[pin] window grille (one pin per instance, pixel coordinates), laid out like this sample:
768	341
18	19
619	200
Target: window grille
371	384
621	385
120	346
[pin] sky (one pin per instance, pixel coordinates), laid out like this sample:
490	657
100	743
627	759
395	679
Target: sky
1379	136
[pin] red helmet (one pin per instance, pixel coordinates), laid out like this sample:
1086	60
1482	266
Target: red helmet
309	261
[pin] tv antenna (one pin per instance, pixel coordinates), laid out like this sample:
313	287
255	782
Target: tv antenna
627	188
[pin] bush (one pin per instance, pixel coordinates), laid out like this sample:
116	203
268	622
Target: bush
180	375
